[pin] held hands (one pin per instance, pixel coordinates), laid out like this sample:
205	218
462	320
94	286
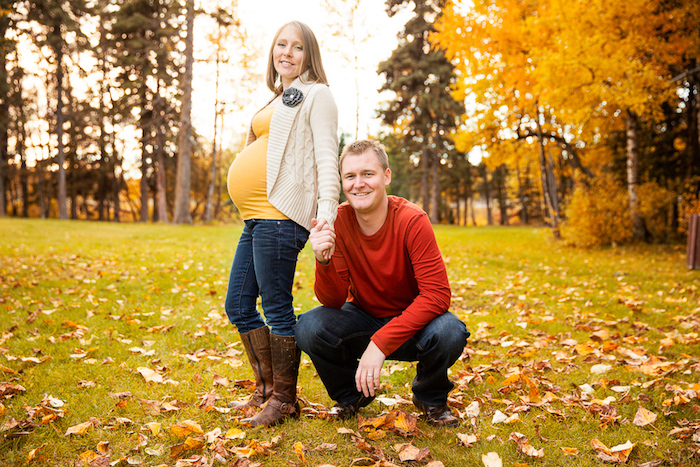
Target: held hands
322	239
369	370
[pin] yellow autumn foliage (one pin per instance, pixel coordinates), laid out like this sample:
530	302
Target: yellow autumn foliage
598	215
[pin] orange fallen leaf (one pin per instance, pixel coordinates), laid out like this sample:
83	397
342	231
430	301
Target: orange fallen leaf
299	449
569	451
254	447
186	427
616	454
32	454
103	448
644	417
79	429
193	443
88	456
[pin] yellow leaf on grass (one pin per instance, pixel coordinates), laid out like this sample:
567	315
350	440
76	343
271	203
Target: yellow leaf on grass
491	459
5	369
103	448
569	451
299	451
193	443
153	427
235	433
149	375
644	417
88	456
79	429
32	454
186	427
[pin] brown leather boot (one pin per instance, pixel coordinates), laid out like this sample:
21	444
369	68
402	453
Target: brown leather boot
257	346
285	368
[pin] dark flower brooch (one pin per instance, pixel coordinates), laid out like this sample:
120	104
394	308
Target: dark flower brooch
292	96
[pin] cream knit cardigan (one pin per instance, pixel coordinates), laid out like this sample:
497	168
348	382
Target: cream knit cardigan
302	156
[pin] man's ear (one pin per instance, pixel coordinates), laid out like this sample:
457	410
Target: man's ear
387	176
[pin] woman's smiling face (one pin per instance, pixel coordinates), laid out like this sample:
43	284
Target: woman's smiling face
288	55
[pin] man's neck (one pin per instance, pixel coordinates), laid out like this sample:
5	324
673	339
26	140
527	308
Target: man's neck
371	222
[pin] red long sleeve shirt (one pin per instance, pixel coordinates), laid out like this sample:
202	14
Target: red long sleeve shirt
396	272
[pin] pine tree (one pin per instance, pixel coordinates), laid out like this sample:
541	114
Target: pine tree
423	111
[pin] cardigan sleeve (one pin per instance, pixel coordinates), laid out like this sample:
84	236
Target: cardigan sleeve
324	128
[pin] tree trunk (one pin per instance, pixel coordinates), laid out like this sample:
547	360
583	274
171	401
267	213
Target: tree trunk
487	195
425	179
546	179
62	194
694	127
145	135
632	124
435	191
209	207
182	184
521	197
161	197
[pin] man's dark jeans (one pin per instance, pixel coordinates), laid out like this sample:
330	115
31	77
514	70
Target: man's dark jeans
335	340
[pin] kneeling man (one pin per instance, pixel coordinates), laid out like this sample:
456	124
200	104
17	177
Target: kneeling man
384	291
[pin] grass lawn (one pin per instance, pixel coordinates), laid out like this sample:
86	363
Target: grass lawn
115	350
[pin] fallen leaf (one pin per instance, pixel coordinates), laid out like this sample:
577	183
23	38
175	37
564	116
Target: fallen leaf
616	454
408	452
467	440
79	429
499	417
569	451
154	427
149	375
186	427
523	446
32	454
472	410
235	433
644	417
491	459
299	449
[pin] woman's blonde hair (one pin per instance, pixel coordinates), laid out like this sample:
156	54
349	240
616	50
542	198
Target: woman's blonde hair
312	58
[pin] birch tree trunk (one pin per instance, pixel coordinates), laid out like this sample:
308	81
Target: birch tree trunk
632	124
182	184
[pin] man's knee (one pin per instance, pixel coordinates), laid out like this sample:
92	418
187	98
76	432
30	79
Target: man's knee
452	334
306	328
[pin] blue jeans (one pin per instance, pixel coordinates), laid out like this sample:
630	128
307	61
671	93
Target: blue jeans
264	265
336	339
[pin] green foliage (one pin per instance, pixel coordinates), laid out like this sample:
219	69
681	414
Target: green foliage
598	215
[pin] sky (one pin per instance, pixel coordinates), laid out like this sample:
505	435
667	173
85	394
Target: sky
262	19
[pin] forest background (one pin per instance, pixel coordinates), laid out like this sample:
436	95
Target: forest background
583	116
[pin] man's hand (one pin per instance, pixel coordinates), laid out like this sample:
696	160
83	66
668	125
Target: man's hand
322	239
367	376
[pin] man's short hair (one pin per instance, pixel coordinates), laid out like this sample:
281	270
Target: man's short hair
363	145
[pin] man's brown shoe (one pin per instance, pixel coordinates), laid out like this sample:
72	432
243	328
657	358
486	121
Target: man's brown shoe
440	415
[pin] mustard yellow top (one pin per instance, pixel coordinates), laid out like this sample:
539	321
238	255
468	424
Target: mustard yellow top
247	176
